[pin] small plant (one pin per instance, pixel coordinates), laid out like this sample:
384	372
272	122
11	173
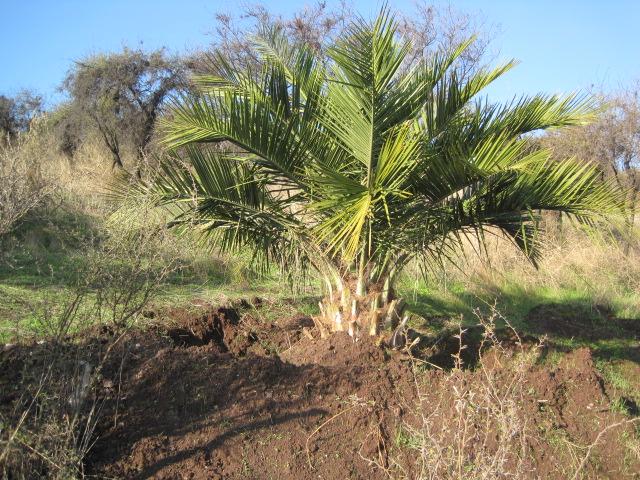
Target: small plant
619	405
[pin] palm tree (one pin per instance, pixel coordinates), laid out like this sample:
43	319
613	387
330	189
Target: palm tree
356	164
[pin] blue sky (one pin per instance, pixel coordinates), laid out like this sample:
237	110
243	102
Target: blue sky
562	45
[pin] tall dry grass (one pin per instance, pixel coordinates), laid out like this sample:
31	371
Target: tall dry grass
574	263
23	185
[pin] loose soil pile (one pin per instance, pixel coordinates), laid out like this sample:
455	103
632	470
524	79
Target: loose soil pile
219	394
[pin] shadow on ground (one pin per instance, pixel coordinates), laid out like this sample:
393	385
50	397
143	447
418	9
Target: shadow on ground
567	324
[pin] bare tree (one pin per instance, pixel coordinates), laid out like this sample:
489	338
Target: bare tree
613	141
314	25
16	113
430	28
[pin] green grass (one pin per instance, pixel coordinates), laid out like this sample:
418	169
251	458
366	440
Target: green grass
49	270
44	262
437	305
22	296
511	299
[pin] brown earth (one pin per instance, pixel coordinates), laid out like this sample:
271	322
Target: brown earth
219	394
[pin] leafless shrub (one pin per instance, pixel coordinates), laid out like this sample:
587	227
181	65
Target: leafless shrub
116	282
477	423
430	27
478	430
146	258
50	428
22	185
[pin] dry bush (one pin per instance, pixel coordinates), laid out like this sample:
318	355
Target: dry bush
33	173
117	278
80	181
53	366
49	429
487	421
23	186
477	431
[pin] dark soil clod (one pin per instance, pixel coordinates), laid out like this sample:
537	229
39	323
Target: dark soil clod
203	330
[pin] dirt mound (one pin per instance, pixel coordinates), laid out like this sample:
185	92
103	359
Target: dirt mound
217	328
338	350
571	404
210	397
555	414
229	329
193	412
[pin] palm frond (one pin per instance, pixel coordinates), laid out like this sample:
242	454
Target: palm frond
354	160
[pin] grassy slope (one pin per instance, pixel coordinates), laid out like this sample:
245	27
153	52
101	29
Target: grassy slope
49	251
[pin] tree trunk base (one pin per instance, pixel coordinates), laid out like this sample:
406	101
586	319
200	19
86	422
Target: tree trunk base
365	317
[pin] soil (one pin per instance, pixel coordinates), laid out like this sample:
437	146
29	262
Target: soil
219	394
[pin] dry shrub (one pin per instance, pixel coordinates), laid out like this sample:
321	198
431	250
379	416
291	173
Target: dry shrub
23	186
477	431
77	181
492	421
34	173
574	259
145	257
49	428
53	366
116	277
81	179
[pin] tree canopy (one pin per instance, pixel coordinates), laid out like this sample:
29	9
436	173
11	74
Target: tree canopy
120	95
17	112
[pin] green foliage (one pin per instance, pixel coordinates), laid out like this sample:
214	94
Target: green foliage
352	163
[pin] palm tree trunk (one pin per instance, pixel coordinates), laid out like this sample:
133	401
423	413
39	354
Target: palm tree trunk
357	306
